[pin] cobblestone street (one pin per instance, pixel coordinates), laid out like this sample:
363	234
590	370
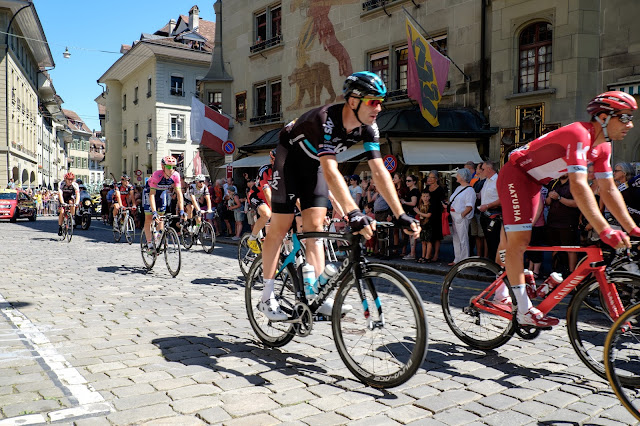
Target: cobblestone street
88	337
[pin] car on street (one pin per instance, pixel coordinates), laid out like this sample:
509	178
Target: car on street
16	204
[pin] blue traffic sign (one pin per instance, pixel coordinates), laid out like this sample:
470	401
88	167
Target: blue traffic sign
390	163
229	147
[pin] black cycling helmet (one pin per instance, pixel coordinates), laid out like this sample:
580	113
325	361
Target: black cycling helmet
364	83
125	176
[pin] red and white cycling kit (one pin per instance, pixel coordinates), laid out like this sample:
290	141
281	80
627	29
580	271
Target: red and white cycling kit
124	193
566	150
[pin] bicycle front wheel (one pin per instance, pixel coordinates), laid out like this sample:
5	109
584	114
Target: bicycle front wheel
129	230
207	237
172	256
588	321
187	237
383	339
69	226
116	230
148	258
245	255
622	358
63	235
278	333
473	325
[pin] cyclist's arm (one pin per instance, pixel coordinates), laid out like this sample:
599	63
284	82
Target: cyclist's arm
60	197
267	194
152	200
208	198
77	203
337	208
612	198
180	199
132	199
118	199
382	179
336	182
193	200
586	201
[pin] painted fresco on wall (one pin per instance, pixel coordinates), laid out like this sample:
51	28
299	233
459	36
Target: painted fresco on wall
311	78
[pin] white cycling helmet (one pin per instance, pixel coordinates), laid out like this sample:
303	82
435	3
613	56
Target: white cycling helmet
200	178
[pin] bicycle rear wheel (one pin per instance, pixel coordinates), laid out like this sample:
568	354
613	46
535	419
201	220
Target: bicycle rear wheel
385	346
207	237
622	357
147	258
476	327
172	256
272	334
129	229
116	229
588	321
69	226
187	236
245	255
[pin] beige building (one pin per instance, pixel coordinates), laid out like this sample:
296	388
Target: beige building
147	100
285	57
24	54
79	146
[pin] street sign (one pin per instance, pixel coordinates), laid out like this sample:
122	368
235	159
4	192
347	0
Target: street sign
228	159
390	163
138	173
230	172
229	147
139	178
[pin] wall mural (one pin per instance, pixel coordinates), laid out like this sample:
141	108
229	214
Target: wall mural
312	78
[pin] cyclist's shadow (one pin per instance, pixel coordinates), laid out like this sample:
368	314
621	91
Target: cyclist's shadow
231	283
123	270
212	352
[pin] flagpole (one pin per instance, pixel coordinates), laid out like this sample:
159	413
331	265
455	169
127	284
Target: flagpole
466	77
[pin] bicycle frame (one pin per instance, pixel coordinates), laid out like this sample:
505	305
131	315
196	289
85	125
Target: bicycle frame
352	264
593	264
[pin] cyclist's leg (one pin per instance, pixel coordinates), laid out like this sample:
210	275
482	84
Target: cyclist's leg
313	221
264	214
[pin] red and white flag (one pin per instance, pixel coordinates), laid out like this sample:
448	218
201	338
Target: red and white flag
208	127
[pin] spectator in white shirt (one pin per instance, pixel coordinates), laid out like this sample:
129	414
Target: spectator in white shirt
355	189
461	205
490	205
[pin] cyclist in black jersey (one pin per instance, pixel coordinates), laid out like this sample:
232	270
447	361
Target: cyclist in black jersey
68	192
305	157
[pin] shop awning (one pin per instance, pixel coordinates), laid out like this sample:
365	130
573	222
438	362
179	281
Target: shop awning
426	153
251	161
456	123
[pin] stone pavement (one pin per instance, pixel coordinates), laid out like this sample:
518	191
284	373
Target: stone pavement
87	337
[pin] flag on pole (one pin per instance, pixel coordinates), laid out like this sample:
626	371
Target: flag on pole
208	127
427	71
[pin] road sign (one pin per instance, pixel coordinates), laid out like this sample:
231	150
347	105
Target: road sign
139	178
229	147
230	172
390	163
228	159
138	173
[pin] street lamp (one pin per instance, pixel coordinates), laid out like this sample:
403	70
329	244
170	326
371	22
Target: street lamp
66	53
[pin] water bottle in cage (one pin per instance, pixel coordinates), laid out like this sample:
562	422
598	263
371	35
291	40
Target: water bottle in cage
309	281
530	280
549	284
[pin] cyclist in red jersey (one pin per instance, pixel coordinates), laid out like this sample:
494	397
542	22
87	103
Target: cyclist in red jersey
566	150
123	196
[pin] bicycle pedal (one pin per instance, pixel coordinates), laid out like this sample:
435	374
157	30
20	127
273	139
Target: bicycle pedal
321	318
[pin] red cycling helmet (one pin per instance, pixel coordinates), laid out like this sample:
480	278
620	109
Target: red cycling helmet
610	102
70	175
169	160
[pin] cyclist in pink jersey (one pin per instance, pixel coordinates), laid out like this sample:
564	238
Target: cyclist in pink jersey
566	150
155	197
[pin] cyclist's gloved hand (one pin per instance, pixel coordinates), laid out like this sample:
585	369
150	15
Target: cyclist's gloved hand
612	237
155	215
358	220
134	208
635	232
405	221
183	215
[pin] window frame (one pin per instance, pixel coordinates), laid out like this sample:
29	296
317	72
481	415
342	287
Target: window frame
179	132
241	113
536	45
176	91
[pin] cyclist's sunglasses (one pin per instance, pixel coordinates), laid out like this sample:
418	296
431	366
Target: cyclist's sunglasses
372	102
169	166
624	118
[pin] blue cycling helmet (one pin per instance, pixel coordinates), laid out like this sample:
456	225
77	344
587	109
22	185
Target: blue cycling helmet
364	83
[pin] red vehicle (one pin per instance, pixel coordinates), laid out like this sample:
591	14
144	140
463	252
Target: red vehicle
15	204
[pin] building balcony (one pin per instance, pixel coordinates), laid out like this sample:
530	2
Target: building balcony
266	119
266	44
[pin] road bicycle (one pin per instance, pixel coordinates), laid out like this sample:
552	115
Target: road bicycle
123	224
164	241
382	340
193	232
67	223
599	299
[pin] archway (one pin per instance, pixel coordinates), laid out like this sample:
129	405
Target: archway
25	178
15	174
32	181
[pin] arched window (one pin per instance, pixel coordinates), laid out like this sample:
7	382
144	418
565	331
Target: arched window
535	57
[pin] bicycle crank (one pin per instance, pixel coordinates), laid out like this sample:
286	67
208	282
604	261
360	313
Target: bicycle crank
302	319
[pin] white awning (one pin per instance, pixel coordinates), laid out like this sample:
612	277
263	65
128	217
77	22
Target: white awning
425	153
251	161
350	153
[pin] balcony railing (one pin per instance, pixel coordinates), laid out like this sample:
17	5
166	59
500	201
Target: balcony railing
135	102
176	92
375	4
262	45
397	95
265	119
148	94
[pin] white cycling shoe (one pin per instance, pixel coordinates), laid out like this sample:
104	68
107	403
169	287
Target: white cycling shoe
271	310
327	308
